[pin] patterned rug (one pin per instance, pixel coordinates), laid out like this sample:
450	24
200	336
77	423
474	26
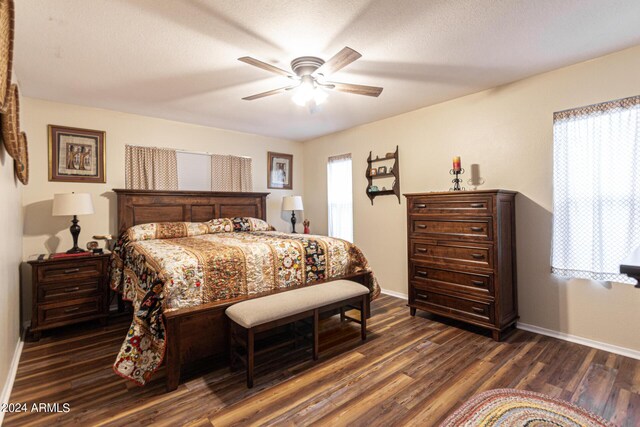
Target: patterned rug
510	408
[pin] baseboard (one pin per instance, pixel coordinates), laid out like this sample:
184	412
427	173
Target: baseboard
11	375
623	351
393	293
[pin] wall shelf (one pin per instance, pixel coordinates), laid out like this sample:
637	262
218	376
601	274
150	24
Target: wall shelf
394	167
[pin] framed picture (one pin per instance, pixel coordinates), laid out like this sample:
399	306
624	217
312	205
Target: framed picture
382	170
279	171
76	155
373	172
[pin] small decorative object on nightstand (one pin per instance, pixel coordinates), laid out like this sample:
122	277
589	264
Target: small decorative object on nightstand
293	204
68	290
306	224
73	204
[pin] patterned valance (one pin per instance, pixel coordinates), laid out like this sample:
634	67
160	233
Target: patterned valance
597	109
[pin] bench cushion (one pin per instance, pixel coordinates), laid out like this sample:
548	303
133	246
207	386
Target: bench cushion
257	311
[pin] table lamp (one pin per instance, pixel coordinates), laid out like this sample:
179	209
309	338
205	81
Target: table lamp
73	204
292	203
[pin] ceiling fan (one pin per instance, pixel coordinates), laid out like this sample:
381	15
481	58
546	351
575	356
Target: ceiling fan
309	76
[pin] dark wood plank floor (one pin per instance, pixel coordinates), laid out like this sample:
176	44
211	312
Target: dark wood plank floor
411	371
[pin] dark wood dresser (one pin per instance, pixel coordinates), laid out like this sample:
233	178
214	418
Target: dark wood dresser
462	256
68	290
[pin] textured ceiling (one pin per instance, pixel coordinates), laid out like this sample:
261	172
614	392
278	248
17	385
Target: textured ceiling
177	59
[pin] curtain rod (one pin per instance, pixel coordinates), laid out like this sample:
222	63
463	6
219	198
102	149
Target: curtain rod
187	151
208	154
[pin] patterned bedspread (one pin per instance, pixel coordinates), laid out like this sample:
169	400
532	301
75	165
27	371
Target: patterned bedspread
168	266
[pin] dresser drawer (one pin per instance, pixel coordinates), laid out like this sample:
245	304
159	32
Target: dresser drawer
429	278
477	229
71	271
69	310
445	304
475	255
452	205
69	291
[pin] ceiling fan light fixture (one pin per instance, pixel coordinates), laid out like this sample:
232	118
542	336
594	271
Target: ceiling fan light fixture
308	91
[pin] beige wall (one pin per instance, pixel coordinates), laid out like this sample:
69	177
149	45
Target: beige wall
508	132
10	256
45	233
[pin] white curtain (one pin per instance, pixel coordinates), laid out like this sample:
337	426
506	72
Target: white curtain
150	168
231	173
340	197
596	179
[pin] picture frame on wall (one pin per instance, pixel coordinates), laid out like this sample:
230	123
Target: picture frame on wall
279	171
76	155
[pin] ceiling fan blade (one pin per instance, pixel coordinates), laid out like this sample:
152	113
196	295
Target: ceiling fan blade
340	60
256	63
268	93
356	89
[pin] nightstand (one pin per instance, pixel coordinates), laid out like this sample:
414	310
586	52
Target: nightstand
69	290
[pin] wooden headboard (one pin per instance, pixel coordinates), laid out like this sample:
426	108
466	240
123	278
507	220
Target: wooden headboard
144	206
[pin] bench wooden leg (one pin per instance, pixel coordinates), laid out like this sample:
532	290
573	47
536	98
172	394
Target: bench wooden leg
316	322
363	317
250	354
342	316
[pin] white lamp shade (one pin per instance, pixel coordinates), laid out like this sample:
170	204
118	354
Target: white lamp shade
292	203
72	204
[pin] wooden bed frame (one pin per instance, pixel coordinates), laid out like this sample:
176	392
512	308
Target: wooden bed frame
201	332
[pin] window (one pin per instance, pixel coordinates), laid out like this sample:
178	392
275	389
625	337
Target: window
194	171
152	168
340	197
596	179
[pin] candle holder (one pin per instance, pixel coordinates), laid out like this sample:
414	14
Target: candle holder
457	180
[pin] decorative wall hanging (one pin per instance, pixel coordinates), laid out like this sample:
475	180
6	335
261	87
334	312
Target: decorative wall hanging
10	122
280	171
76	155
6	50
21	164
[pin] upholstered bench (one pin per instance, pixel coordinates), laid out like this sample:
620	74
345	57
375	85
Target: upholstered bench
261	314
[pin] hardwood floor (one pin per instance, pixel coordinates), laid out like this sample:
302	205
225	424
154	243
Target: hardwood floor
410	371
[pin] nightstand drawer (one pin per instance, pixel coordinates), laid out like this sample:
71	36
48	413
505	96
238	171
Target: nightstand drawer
69	291
70	271
71	310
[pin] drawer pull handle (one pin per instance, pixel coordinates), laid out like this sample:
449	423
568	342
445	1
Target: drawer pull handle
71	270
477	256
421	205
477	205
421	250
422	273
423	296
421	226
476	228
478	309
72	309
477	282
75	288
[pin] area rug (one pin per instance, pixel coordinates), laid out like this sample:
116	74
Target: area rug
510	408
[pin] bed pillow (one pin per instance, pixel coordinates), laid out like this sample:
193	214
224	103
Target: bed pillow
166	230
238	224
